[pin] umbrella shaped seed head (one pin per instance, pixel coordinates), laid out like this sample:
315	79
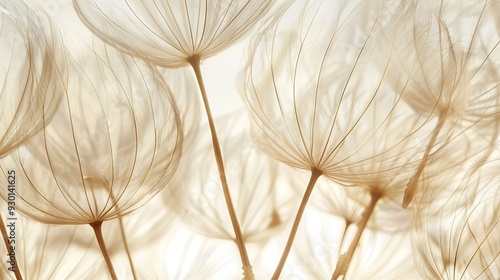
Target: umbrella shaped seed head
112	145
443	60
167	33
30	77
319	100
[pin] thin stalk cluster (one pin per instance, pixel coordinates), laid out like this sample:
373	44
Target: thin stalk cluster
345	259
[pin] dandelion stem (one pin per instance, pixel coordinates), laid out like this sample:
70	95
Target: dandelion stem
17	272
247	267
345	259
124	237
98	234
315	174
411	187
127	249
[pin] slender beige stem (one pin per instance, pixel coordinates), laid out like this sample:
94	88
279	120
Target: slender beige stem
345	259
412	186
17	272
247	267
127	249
344	235
124	236
315	174
98	234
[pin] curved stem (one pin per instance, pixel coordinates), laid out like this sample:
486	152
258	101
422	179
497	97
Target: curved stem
315	174
411	187
98	234
127	249
247	267
17	273
345	259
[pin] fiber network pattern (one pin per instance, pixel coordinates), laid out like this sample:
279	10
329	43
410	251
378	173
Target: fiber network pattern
357	139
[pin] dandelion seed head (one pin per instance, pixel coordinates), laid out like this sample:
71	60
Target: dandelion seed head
319	101
456	233
30	76
170	33
104	155
442	59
